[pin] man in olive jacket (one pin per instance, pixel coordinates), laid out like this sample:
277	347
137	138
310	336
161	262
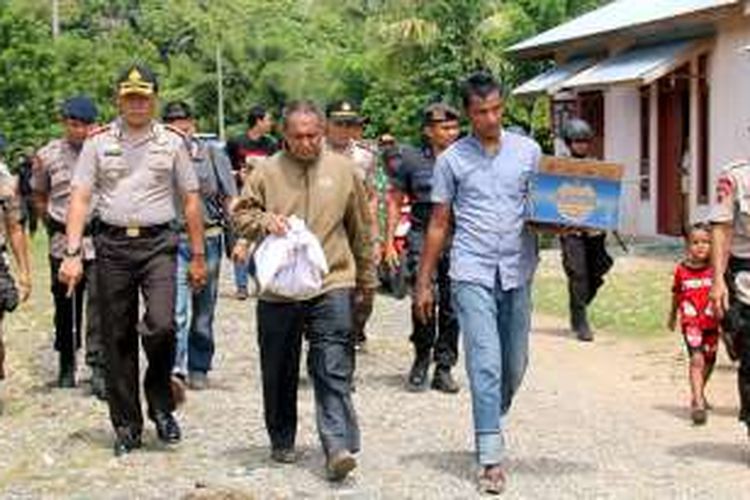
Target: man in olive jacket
321	188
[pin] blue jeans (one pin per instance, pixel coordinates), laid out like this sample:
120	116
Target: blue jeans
242	270
194	312
495	328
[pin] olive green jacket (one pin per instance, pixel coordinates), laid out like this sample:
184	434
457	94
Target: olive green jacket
329	197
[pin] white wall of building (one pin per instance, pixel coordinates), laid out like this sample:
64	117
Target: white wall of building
730	95
622	145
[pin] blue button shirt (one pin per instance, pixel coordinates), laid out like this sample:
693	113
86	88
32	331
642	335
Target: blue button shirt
488	195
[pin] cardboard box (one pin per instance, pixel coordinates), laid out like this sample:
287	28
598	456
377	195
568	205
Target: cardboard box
576	193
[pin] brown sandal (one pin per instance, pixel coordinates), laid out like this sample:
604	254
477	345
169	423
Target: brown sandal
492	484
698	415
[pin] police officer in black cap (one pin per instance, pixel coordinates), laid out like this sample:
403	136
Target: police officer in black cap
136	167
52	172
412	170
584	254
194	312
344	135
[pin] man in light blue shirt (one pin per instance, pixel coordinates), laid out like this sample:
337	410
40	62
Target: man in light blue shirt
483	180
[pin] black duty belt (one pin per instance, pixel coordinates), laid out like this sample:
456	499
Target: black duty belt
134	231
55	226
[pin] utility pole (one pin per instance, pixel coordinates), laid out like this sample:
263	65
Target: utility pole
55	19
220	91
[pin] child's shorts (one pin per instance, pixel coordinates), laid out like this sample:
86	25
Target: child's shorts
699	340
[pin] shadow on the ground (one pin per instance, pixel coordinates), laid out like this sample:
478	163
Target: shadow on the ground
395	380
554	332
104	438
735	453
462	464
259	456
727	366
309	459
683	412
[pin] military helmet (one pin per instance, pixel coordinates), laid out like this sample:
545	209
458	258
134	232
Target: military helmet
577	129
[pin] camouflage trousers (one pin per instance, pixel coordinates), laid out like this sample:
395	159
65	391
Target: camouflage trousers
8	302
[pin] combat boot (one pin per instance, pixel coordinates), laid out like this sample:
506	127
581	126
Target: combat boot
418	372
443	380
580	324
66	379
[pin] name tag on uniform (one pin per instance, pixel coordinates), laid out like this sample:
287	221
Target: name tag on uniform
113	151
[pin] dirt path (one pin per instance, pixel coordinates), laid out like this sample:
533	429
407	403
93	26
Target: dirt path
601	420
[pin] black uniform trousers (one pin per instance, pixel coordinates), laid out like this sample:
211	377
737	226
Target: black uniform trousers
68	334
586	261
127	267
440	334
737	323
326	321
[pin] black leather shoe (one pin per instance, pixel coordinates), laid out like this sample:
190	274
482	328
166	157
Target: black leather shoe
126	442
580	325
443	381
418	373
66	378
167	428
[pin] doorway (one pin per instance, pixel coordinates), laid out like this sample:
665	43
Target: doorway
674	153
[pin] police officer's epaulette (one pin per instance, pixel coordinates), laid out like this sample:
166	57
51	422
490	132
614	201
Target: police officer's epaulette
99	130
177	131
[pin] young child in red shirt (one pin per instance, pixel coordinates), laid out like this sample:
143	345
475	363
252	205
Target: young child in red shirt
693	278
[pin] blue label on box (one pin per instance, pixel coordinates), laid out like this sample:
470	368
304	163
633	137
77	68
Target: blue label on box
575	201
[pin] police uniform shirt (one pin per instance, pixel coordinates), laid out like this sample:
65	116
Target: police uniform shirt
733	206
52	173
412	171
10	202
136	180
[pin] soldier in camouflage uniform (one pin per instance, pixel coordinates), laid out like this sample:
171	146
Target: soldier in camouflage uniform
11	232
52	171
344	132
730	218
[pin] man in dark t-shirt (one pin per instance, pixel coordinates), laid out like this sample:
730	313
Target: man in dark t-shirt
244	150
254	143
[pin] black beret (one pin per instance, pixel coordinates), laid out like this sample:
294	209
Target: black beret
79	108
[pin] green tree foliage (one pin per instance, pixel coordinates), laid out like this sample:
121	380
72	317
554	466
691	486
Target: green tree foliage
394	56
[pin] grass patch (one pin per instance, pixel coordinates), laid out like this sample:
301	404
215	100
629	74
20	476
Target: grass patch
634	300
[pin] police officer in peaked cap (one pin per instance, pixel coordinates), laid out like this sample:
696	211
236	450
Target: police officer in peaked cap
136	166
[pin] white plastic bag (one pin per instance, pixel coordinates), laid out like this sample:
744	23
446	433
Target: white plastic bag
293	265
